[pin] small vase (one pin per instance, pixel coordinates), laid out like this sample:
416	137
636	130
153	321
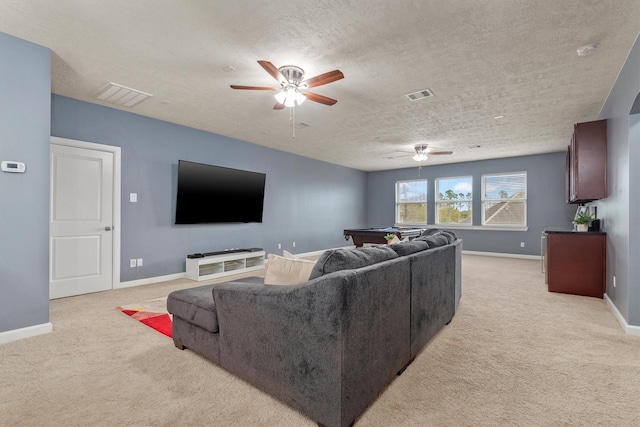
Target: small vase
582	227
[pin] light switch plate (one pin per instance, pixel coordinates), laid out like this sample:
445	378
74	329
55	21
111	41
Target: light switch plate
133	197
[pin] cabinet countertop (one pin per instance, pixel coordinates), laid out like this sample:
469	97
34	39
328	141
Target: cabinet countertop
558	230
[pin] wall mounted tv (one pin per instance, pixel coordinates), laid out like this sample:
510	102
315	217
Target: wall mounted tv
214	194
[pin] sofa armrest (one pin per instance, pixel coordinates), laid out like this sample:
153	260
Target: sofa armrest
287	340
327	347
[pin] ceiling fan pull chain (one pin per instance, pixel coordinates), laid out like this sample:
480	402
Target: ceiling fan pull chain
293	121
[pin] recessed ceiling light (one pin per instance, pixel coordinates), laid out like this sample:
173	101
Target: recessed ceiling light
499	117
587	49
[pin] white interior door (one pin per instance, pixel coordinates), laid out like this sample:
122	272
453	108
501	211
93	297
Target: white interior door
81	227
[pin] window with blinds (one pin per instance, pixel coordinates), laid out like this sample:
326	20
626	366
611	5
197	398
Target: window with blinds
454	199
411	202
504	199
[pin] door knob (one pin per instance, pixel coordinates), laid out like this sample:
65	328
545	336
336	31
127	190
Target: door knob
107	228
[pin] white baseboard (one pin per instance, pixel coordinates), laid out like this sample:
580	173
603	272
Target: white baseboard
150	280
629	329
28	332
500	254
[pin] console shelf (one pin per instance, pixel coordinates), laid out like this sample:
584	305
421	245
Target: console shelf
211	267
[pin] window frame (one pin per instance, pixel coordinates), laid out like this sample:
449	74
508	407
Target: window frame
438	202
485	200
398	202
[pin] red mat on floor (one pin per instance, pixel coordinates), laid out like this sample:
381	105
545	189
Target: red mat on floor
152	313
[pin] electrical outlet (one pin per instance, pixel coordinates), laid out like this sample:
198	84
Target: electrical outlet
279	245
139	262
614	281
294	244
132	263
522	244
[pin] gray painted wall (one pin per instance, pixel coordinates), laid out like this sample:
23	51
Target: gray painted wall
623	157
25	88
306	201
546	200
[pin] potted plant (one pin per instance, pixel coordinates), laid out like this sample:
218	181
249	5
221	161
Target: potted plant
583	221
389	237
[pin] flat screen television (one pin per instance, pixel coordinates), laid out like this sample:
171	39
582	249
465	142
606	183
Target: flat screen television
214	194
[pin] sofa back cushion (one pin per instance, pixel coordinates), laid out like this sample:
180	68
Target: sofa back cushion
408	248
436	238
349	259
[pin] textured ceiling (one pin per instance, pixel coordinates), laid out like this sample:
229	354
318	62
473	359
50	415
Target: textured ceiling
480	58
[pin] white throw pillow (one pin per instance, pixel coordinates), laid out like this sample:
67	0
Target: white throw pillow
287	271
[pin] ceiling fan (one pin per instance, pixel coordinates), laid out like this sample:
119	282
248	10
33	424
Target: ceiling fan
423	152
293	89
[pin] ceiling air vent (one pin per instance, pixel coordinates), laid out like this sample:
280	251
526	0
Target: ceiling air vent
421	94
121	95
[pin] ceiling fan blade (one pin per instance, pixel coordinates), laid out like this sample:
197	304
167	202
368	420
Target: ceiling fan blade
323	79
273	70
252	87
438	153
278	106
319	98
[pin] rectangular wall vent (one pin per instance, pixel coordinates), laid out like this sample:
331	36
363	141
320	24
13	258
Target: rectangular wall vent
121	95
421	94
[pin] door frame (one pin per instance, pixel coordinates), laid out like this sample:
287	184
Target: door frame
117	157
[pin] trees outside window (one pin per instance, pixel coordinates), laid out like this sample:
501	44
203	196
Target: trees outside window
454	200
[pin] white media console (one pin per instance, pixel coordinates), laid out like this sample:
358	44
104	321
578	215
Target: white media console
211	267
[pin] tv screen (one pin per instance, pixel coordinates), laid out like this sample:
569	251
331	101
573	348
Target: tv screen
214	194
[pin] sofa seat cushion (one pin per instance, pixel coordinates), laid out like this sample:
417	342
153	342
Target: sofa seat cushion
349	259
408	248
196	306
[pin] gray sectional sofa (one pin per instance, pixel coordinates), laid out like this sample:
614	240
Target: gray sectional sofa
327	347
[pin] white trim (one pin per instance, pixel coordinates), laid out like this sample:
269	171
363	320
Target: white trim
158	279
150	280
503	255
28	332
629	329
117	182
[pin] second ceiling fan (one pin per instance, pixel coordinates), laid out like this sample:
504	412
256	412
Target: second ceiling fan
293	89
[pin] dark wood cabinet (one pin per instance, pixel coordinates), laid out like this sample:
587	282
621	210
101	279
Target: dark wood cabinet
587	162
576	263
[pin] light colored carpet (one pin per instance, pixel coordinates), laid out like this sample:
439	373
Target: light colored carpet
514	355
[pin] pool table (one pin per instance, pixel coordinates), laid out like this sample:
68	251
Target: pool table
376	235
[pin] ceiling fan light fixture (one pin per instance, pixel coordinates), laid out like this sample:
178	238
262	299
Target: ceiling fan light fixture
290	96
420	157
280	96
300	98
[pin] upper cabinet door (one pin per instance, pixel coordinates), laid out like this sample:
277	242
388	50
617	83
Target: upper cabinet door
588	162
